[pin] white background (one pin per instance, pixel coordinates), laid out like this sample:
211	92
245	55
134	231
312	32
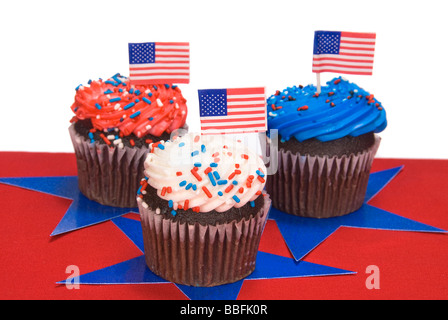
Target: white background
50	47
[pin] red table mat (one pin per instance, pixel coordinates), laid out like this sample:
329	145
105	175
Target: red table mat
412	265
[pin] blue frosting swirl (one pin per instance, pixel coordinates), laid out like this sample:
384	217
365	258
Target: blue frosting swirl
341	109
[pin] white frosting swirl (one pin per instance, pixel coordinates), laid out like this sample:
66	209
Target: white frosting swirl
205	172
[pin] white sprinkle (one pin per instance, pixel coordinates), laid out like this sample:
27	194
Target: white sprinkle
159	103
145	205
111	137
118	141
98	116
176	106
148	127
158	211
117	106
121	145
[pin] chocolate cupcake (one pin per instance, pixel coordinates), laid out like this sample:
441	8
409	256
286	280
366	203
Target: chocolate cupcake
202	210
327	143
113	126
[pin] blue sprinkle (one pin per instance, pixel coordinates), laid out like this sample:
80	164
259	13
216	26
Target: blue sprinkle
130	105
161	146
131	90
76	109
137	92
195	187
146	100
89	82
139	191
252	203
108	91
195	153
235	182
149	94
155	87
150	118
111	82
213	164
181	144
197	164
171	101
170	203
174	86
182	183
120	90
173	212
136	114
167	86
261	174
203	148
212	180
188	186
90	135
222	182
136	100
220	193
216	174
115	99
236	199
97	106
121	119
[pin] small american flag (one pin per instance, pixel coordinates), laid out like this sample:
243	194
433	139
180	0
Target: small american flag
239	110
343	52
159	62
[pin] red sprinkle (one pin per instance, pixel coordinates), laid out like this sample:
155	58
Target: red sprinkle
186	203
178	173
302	108
196	139
245	156
208	170
131	141
337	81
215	154
241	190
168	189
196	174
237	165
261	179
230	187
258	192
232	175
163	191
207	192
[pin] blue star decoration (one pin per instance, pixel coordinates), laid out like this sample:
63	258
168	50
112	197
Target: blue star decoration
135	271
81	213
302	235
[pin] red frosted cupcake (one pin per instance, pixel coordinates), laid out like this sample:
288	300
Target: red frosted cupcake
113	126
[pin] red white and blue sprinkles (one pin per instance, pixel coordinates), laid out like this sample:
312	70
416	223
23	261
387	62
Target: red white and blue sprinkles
207	175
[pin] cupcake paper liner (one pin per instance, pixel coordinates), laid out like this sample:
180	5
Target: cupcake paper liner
320	186
110	176
202	255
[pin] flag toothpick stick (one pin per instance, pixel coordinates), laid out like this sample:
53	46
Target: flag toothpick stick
318	82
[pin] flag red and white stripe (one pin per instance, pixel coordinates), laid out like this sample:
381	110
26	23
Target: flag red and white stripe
355	55
246	112
171	64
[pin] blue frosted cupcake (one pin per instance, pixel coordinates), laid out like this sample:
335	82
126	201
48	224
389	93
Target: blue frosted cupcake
326	145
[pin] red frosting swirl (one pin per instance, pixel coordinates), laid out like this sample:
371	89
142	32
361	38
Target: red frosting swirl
138	109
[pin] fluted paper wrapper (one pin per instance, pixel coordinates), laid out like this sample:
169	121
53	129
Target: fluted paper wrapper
110	176
202	255
320	186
